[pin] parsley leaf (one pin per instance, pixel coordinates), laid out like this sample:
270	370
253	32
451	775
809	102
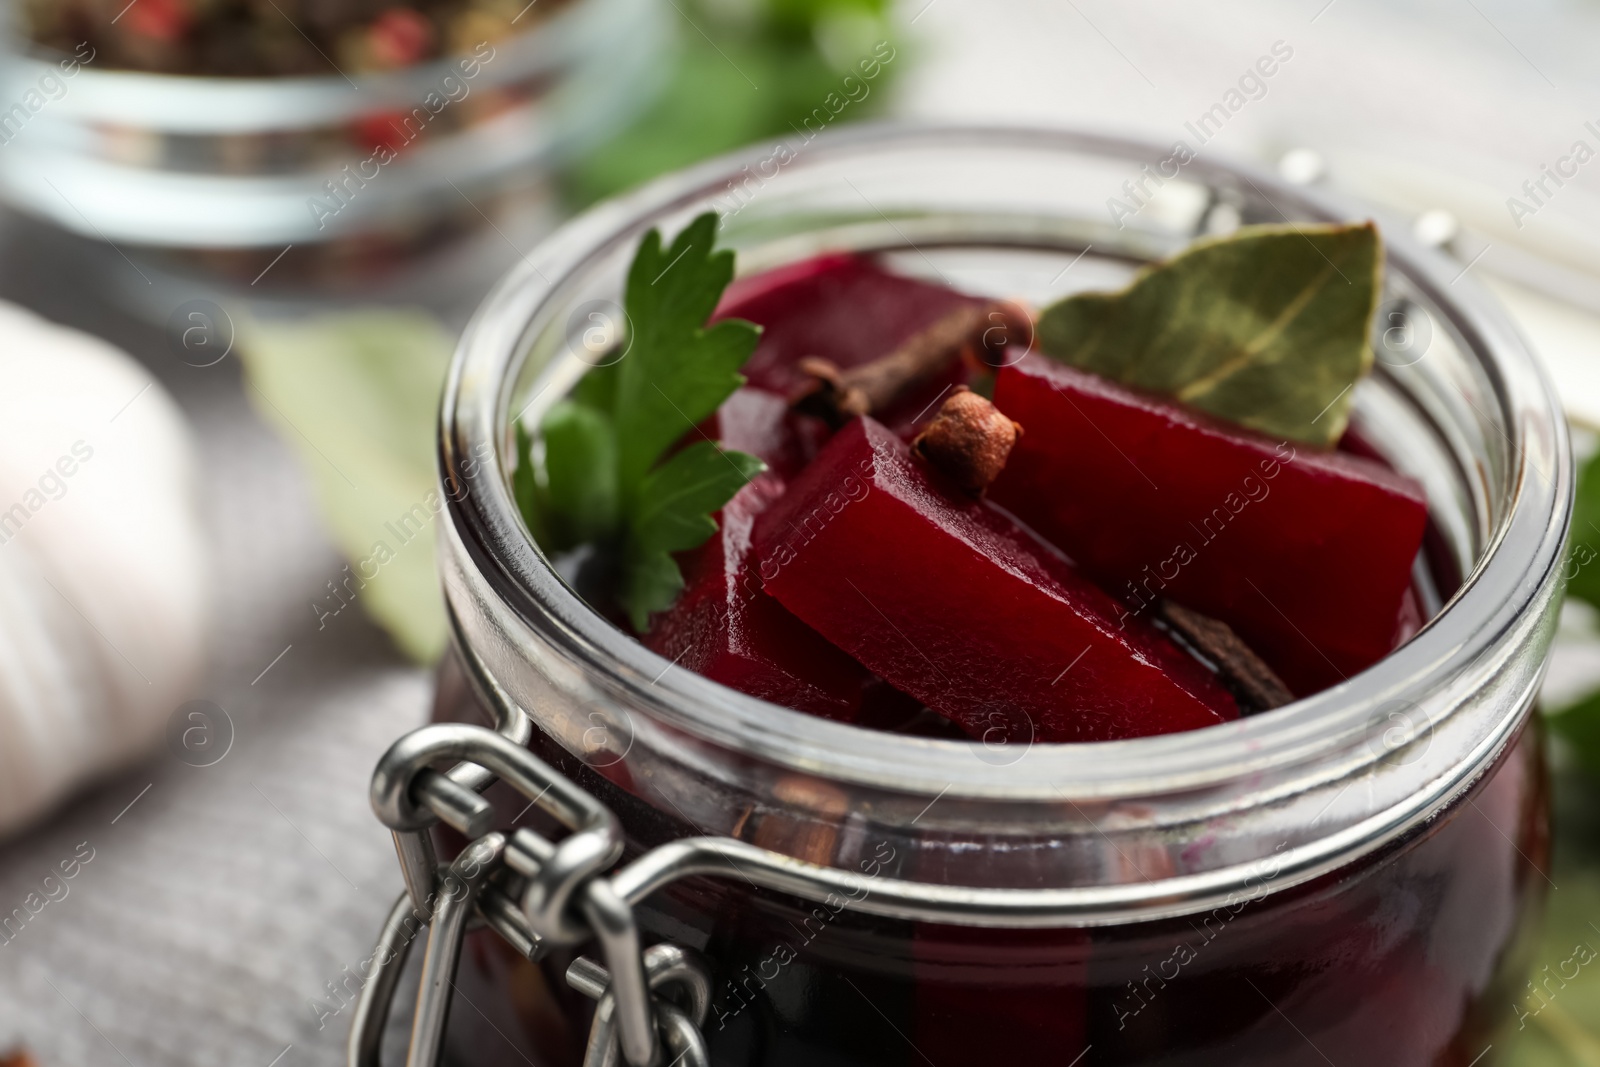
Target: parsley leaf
676	371
525	487
602	445
673	513
580	474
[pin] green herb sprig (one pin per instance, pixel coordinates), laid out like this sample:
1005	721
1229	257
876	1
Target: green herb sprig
605	480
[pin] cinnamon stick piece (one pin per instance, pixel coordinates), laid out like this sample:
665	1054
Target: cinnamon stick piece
837	395
1254	684
804	822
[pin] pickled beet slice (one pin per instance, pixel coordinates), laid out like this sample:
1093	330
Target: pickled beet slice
761	424
953	602
845	309
1306	554
726	629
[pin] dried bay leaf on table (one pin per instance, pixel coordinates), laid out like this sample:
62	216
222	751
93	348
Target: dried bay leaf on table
356	396
1269	327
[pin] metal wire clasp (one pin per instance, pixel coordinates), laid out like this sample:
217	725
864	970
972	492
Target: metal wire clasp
564	899
671	969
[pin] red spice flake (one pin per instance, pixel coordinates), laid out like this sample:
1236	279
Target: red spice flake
400	37
161	20
384	129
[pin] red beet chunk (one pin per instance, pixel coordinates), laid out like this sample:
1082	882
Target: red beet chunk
754	289
761	424
951	601
725	628
843	308
1306	554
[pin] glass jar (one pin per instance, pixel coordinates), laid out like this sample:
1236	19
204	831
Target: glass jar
1349	878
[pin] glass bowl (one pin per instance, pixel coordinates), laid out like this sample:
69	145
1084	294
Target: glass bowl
223	175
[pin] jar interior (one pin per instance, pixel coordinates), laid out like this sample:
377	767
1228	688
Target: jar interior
1416	414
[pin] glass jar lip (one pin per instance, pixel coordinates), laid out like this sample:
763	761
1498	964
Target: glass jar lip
1518	569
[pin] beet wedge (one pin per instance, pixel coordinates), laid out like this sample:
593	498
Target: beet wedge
842	308
950	600
1306	554
760	423
725	628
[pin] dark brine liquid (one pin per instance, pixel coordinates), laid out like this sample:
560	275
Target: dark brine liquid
1408	956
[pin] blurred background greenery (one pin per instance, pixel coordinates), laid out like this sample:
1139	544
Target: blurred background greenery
1558	1021
745	70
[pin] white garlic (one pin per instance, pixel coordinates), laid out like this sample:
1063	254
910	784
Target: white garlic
102	576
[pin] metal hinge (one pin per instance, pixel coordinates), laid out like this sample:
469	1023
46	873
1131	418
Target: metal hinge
536	893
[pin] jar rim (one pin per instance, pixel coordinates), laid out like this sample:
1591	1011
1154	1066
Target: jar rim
1511	585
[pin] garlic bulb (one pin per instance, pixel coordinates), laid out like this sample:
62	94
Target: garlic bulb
102	586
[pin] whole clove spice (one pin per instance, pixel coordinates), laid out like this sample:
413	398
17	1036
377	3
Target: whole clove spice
969	441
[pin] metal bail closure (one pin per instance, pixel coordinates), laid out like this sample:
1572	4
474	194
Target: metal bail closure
458	893
565	900
669	969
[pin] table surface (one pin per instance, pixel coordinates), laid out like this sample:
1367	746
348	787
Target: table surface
220	900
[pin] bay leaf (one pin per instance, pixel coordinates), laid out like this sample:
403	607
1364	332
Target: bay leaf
1269	327
356	395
